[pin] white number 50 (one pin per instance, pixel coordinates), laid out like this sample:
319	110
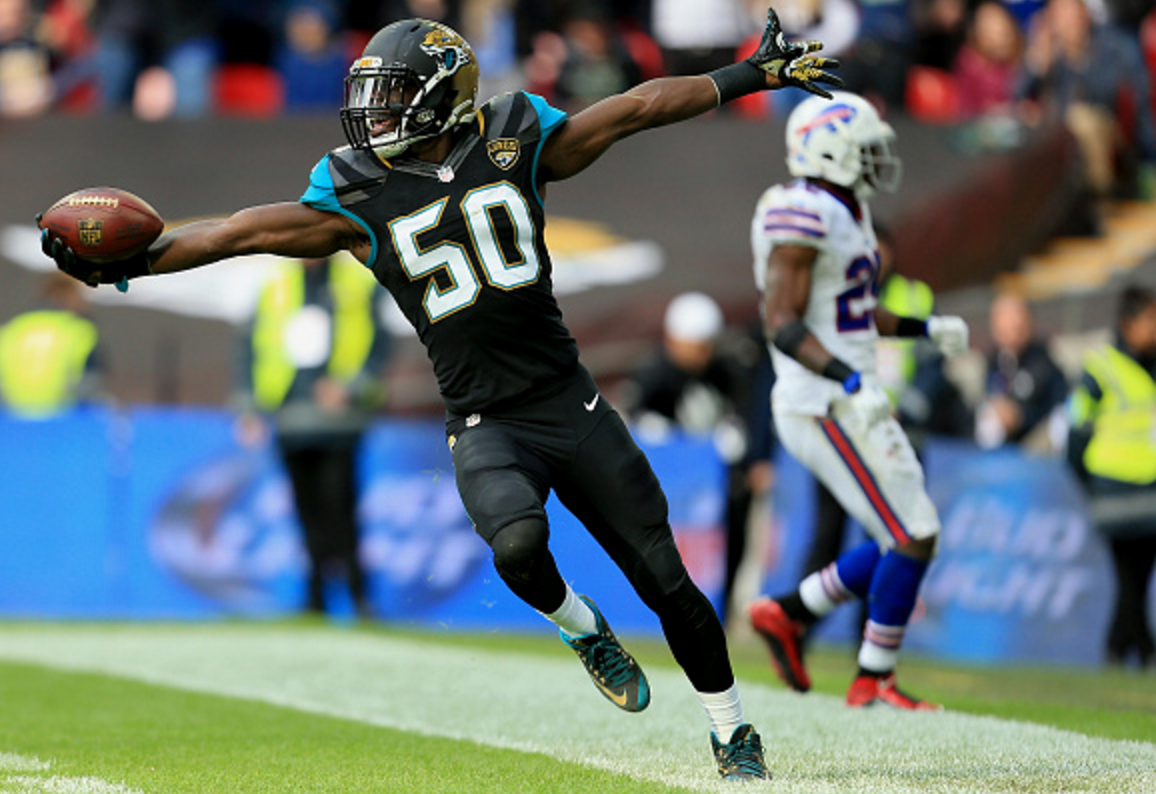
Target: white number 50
453	257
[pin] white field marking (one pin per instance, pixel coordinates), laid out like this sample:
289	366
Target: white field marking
11	762
23	784
815	745
30	784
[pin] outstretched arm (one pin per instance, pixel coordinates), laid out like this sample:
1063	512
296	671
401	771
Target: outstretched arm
286	229
587	135
775	64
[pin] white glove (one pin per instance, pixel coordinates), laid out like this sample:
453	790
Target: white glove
949	334
864	408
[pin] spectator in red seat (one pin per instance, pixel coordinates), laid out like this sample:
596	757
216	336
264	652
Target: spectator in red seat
988	64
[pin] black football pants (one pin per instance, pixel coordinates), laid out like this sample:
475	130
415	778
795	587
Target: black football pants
506	463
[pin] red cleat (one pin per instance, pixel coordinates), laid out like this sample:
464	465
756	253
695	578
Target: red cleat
784	638
867	690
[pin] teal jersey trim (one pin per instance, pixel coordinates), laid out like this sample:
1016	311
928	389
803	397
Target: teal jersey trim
549	119
321	195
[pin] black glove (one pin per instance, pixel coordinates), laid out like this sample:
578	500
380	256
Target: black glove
89	272
790	61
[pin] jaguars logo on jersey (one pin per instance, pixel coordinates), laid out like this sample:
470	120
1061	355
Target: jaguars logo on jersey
447	48
504	152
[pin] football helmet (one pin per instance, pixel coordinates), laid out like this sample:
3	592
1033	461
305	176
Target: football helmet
843	140
415	80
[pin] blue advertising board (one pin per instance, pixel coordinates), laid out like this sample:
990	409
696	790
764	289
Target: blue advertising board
162	513
1021	573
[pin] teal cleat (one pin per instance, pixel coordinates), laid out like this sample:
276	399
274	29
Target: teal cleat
611	668
742	758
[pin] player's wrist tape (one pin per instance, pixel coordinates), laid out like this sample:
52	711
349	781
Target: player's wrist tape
838	371
738	79
910	326
790	336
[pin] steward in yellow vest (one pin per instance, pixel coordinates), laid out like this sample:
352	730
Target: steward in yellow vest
1112	410
317	321
313	359
927	402
1112	445
48	356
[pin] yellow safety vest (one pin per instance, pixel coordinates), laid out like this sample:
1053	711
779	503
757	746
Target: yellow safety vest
42	360
1122	446
902	297
352	286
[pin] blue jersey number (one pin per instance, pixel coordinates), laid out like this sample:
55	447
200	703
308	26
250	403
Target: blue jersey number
856	305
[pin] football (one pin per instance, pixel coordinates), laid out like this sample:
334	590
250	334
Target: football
103	224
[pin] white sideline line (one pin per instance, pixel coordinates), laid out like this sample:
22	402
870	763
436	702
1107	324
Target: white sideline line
30	784
814	744
11	762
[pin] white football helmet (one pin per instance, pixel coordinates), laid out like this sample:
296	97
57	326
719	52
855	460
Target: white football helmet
843	140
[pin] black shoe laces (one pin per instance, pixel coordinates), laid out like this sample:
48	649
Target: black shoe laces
611	662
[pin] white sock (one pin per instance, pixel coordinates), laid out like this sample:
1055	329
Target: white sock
574	617
880	649
815	596
724	710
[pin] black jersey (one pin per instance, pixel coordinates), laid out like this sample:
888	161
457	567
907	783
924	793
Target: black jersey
460	245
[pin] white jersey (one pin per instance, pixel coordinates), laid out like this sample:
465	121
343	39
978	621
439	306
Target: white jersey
841	308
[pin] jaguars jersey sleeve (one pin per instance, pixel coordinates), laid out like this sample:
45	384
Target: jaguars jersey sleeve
505	119
840	311
344	175
460	245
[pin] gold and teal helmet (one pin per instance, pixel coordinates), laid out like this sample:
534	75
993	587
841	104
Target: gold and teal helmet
415	80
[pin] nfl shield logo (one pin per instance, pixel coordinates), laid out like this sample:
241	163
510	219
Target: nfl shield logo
91	232
504	152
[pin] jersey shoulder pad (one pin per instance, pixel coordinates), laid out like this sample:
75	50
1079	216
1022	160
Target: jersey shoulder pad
509	116
792	212
357	175
519	115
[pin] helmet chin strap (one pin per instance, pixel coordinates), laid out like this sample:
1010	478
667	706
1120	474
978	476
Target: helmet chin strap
387	150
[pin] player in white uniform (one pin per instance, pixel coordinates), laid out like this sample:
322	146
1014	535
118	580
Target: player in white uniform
817	266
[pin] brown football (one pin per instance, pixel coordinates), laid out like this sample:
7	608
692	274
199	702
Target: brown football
103	224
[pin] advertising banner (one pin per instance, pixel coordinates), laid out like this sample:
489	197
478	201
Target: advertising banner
1021	573
162	513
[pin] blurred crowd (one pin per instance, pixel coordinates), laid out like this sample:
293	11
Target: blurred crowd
1009	64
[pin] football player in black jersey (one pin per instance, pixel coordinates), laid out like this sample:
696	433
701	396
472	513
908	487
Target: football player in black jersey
443	200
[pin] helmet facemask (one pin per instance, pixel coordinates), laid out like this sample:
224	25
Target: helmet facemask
422	84
880	167
387	109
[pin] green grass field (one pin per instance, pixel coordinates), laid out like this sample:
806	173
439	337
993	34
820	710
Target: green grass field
301	707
